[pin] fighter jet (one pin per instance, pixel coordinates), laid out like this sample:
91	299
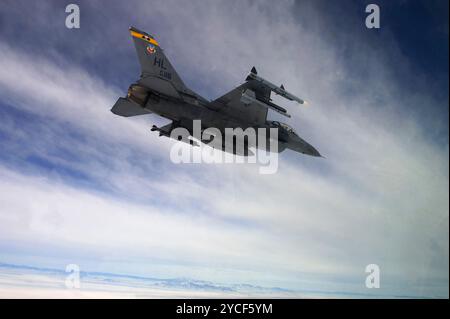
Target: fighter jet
160	90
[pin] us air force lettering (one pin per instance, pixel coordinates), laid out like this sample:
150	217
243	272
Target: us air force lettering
160	90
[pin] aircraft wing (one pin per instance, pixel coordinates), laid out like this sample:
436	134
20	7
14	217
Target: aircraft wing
250	101
232	105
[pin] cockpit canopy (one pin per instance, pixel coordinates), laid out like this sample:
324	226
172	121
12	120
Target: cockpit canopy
284	126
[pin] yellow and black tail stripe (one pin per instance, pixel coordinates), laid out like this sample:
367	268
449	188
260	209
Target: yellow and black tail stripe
143	37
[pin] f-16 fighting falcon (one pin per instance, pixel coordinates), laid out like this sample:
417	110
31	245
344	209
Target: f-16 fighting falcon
160	90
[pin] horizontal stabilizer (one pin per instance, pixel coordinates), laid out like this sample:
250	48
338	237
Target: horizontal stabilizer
123	107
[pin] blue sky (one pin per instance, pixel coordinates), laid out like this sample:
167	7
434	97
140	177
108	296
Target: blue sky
80	185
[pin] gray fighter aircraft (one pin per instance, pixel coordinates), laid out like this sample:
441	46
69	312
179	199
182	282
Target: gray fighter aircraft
160	90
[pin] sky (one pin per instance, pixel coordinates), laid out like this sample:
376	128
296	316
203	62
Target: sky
82	186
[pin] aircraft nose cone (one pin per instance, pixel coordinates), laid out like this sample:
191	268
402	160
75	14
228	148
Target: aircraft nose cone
316	153
297	144
313	152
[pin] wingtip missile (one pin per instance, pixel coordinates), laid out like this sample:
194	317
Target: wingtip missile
280	90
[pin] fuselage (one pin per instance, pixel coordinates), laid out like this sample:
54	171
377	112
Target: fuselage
185	109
